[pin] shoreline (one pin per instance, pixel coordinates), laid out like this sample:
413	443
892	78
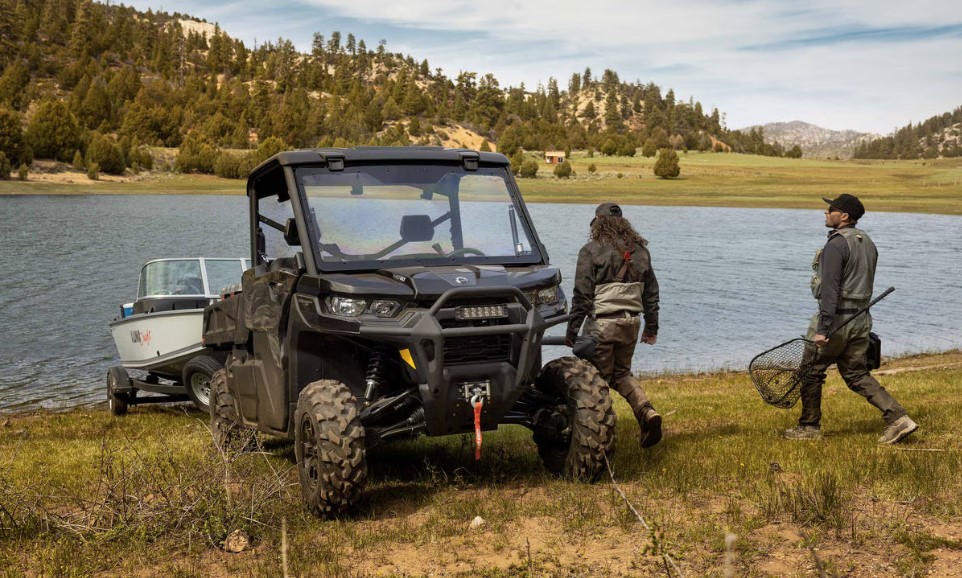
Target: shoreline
908	363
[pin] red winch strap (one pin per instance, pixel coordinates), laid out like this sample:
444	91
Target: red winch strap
477	430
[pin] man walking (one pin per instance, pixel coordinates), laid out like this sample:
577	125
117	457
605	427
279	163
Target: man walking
842	283
614	282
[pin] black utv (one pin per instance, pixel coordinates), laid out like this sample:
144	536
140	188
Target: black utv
396	292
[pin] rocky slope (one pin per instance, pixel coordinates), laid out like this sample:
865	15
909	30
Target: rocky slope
816	142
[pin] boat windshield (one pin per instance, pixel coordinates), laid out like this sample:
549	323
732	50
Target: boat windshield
195	277
425	214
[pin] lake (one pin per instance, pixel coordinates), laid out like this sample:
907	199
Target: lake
733	281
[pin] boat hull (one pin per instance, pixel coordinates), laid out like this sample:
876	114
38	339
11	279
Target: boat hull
160	342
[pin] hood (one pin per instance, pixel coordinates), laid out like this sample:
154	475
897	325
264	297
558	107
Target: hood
427	282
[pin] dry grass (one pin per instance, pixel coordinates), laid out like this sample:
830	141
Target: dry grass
82	493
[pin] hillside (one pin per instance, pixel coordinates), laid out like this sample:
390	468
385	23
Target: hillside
95	84
938	136
815	141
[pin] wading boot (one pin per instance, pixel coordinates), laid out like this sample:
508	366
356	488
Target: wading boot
650	422
803	432
898	430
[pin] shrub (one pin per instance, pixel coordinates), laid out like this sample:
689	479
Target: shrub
649	149
227	166
516	160
105	152
609	148
78	161
140	155
4	167
11	135
562	170
22	172
196	154
666	166
93	171
53	132
529	169
592	169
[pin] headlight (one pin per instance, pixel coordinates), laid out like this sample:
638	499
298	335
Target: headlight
546	296
346	306
384	307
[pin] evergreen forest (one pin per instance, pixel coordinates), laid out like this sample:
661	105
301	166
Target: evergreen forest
98	85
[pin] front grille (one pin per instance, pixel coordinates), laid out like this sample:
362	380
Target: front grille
476	349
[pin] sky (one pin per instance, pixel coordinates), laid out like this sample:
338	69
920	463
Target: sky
865	65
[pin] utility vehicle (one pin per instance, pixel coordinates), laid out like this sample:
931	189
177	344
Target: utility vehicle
396	292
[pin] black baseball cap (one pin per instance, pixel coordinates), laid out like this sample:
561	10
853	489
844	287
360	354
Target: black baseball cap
847	204
607	210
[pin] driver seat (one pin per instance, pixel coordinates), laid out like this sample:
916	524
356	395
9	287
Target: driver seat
417	228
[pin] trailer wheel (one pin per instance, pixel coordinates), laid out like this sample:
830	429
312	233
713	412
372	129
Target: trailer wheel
197	375
118	383
228	433
329	447
583	436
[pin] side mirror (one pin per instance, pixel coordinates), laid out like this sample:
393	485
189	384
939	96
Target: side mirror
290	233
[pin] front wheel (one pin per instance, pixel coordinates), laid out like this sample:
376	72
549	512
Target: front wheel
578	436
329	448
197	375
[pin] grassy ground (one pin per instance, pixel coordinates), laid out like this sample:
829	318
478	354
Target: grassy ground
707	179
734	180
82	493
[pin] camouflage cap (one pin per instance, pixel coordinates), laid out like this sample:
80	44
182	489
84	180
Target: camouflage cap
607	210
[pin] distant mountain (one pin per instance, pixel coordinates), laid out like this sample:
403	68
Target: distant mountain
815	141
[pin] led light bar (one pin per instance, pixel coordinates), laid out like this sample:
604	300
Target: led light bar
481	312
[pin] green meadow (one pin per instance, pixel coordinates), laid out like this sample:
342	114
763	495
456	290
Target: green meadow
707	179
86	494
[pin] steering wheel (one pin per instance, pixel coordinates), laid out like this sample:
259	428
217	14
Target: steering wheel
465	251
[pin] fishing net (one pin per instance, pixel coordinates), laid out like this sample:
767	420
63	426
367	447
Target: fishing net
777	373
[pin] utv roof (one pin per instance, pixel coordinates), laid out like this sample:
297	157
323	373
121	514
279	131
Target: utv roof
380	154
269	171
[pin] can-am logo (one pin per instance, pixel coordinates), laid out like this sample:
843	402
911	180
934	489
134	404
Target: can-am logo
141	337
460	280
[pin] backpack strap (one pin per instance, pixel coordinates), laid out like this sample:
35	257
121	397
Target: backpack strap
623	271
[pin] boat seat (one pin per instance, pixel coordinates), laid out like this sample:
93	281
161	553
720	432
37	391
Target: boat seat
157	304
190	286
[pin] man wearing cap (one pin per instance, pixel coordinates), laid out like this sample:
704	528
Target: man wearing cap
842	283
614	282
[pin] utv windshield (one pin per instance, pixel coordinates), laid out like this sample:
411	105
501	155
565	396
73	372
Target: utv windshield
426	214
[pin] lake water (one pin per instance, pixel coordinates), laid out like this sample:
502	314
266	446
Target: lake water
733	281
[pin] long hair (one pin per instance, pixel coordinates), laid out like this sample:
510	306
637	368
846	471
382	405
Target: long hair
615	232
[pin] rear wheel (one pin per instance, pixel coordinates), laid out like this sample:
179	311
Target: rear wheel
197	375
329	447
229	435
576	435
118	386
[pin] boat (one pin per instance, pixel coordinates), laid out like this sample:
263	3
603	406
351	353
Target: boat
159	333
